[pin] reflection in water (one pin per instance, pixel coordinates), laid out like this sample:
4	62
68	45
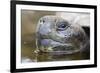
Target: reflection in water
29	54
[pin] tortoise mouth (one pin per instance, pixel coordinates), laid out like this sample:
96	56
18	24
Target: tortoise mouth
51	46
62	49
65	49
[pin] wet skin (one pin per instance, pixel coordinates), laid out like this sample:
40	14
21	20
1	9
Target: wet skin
56	35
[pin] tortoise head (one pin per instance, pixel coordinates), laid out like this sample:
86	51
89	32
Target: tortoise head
55	34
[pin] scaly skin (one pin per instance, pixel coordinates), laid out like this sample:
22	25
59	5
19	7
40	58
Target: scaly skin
55	34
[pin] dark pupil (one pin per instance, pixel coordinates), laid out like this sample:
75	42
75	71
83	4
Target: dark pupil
62	26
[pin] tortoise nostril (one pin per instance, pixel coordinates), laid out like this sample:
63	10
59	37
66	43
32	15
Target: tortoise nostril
42	21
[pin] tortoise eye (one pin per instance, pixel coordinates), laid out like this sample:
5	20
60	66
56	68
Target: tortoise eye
62	25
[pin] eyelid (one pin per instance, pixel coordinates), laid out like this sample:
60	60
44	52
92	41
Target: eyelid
61	29
62	23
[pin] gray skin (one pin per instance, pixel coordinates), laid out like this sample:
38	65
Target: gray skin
56	35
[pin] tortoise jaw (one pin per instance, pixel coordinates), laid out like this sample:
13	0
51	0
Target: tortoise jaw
68	49
51	46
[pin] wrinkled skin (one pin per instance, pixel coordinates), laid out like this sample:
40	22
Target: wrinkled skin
57	35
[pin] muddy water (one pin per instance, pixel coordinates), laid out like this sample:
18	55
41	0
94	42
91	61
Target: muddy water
29	55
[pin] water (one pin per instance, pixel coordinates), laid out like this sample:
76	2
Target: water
28	53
